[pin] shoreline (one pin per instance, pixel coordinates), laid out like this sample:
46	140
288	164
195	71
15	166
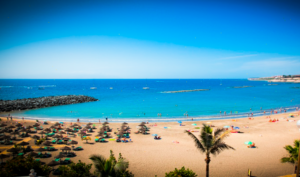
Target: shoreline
184	120
260	113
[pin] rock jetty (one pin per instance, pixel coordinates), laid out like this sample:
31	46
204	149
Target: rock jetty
180	91
42	102
240	86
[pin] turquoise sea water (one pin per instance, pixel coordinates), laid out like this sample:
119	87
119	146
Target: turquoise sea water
126	100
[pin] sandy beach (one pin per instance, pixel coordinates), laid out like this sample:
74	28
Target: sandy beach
148	157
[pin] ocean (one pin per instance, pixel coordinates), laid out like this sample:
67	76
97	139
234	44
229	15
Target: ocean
125	99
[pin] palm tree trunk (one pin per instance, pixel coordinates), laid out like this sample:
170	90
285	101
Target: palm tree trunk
207	160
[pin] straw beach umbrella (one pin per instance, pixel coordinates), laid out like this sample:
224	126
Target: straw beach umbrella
32	154
14	150
23	143
36	137
3	125
19	125
14	133
41	149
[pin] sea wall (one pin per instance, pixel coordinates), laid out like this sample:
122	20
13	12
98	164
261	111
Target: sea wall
42	102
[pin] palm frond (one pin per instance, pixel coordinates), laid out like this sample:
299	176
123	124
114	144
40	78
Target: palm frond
198	144
99	162
121	165
297	143
219	147
206	139
218	131
287	160
223	135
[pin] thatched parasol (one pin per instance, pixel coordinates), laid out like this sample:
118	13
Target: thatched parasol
11	127
53	126
60	156
41	149
14	133
19	125
23	143
53	163
29	127
69	130
57	124
36	137
14	150
32	154
61	132
47	130
47	143
57	136
6	137
36	125
66	148
88	127
66	138
73	142
3	125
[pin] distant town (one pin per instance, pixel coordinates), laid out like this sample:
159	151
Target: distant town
282	78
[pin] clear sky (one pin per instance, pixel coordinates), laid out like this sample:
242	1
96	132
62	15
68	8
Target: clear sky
149	39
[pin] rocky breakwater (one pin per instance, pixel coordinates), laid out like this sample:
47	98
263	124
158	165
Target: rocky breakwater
42	102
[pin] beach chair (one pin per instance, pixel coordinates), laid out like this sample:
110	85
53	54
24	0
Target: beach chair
54	141
96	140
57	160
60	142
21	154
51	148
66	161
78	148
38	160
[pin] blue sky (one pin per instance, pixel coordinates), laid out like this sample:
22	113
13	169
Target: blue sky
149	39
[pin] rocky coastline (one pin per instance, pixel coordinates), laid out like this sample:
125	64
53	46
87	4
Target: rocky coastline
42	102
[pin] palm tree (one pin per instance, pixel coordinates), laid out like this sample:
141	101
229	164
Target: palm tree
293	154
210	142
111	167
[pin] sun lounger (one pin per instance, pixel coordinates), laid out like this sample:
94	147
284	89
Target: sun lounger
78	148
102	141
51	149
54	141
60	142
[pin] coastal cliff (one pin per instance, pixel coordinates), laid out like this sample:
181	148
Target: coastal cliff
42	102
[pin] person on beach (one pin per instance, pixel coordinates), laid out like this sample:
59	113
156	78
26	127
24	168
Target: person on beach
99	121
11	118
78	120
7	118
106	119
23	119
